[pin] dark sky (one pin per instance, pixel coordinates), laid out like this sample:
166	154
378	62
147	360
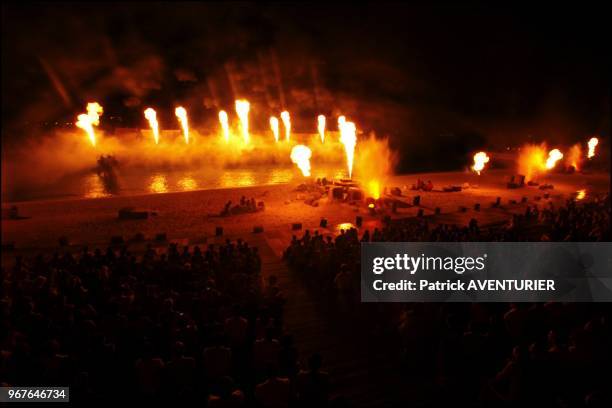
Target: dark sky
450	74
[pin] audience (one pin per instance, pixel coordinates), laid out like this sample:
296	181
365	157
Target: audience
198	325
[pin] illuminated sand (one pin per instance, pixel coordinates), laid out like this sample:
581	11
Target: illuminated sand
187	217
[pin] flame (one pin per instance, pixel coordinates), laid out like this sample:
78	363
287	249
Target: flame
87	121
374	189
480	159
553	157
371	205
532	160
574	156
242	109
593	142
287	124
181	114
224	124
274	126
151	116
341	121
321	127
348	137
580	194
300	155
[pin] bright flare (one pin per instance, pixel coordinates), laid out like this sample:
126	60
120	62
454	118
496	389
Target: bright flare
300	155
181	114
553	157
287	124
341	121
321	127
580	194
224	124
87	121
274	126
480	159
151	116
593	142
242	109
374	190
348	137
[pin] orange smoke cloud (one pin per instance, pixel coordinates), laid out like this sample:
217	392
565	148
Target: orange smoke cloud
374	164
574	157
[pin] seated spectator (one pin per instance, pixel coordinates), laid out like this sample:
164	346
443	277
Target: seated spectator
313	384
275	391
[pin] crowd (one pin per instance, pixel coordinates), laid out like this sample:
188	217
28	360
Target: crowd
183	325
200	325
554	354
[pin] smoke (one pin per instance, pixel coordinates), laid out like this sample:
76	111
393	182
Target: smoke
531	161
374	163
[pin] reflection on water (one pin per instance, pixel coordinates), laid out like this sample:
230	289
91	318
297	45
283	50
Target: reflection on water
237	178
158	184
278	176
141	181
94	187
187	183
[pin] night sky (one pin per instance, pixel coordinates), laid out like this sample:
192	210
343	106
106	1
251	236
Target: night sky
437	81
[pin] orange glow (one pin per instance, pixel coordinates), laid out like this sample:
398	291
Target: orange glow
151	116
274	127
242	109
593	142
480	159
224	125
574	156
374	190
181	114
532	161
321	127
87	121
287	124
188	183
580	194
300	155
158	184
553	157
348	137
371	205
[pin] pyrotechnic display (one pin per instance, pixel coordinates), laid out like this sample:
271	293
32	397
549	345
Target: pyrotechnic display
151	116
321	127
593	142
223	120
553	157
87	121
274	127
305	204
286	124
348	137
300	155
242	110
480	160
181	114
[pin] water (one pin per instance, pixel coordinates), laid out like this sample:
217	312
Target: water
144	181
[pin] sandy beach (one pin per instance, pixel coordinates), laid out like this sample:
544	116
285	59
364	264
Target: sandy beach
189	217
